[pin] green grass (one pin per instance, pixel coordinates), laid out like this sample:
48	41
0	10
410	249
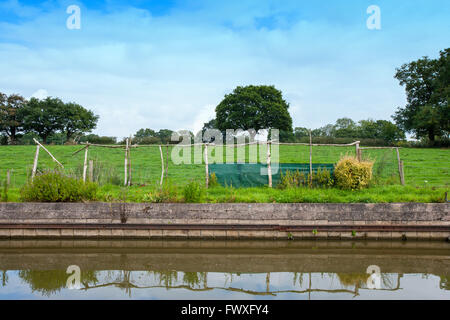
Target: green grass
376	194
426	174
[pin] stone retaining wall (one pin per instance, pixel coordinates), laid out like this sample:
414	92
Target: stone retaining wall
225	220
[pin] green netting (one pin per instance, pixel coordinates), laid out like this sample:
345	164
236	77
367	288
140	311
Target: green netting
255	174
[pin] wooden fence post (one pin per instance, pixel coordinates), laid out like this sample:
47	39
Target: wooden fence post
162	165
402	174
206	166
129	161
310	159
85	163
402	177
400	168
36	156
167	162
358	151
45	149
91	170
269	169
125	179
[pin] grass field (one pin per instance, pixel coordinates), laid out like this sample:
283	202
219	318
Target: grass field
426	173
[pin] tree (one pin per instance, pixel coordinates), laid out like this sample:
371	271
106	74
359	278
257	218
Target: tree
50	115
427	86
144	133
43	117
325	131
93	138
345	128
165	135
253	107
10	115
77	120
300	132
389	132
211	124
380	129
146	136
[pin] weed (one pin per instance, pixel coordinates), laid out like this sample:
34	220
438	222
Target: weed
193	192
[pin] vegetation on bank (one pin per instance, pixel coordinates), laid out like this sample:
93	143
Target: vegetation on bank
54	186
426	173
422	167
218	194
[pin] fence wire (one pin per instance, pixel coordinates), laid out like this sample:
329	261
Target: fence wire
421	166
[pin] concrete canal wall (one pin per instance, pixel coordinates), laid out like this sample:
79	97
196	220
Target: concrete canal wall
225	221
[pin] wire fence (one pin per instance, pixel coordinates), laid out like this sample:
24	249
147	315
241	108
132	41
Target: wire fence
105	165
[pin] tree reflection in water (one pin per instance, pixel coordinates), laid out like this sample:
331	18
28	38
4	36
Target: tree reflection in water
48	282
3	278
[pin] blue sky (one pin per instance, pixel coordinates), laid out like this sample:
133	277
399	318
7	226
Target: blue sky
167	64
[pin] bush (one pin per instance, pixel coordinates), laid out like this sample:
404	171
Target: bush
320	178
165	193
292	179
323	178
57	187
352	174
193	192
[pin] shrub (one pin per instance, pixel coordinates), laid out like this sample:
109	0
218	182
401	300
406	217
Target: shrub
320	178
292	179
212	182
57	187
323	178
352	174
193	192
166	193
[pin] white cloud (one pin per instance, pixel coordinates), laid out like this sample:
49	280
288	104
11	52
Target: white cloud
40	94
136	70
201	117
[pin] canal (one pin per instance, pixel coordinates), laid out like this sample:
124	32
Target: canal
41	269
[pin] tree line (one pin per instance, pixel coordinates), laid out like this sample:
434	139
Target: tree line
22	119
426	115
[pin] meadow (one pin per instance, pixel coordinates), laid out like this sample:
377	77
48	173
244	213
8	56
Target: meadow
426	173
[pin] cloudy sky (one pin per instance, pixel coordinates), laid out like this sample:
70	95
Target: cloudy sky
167	64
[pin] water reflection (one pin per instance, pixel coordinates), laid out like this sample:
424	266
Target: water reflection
224	270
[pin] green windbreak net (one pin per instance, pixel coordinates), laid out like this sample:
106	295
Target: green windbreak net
255	174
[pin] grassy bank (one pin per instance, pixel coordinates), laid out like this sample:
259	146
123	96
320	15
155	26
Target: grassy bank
426	174
376	194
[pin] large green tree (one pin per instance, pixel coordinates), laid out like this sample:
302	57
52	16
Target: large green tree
10	115
427	85
75	119
43	117
50	115
254	107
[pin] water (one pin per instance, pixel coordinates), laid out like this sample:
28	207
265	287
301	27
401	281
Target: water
225	270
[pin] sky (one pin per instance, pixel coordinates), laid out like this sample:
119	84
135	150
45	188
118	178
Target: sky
168	64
